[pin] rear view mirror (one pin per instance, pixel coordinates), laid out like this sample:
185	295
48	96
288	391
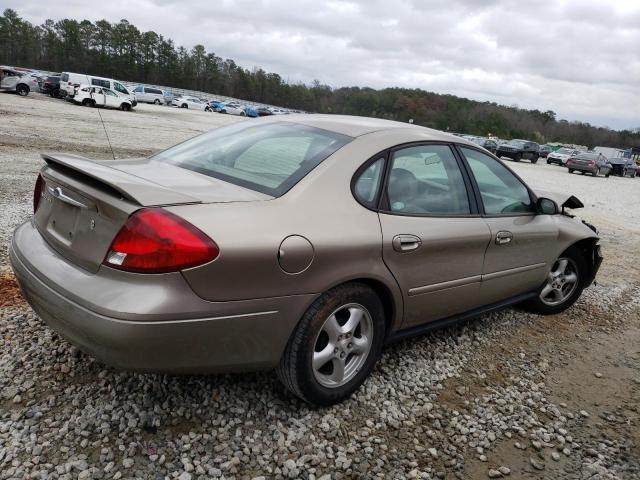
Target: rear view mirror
546	206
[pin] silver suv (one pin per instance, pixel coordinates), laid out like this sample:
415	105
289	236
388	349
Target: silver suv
12	80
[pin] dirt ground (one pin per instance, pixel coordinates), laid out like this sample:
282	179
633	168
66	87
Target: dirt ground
589	356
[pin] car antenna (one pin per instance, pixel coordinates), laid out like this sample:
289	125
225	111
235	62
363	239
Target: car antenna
106	133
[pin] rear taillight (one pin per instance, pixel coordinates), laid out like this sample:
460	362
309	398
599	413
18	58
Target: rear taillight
157	241
37	192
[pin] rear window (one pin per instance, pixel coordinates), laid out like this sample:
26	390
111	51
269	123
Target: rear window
268	158
65	77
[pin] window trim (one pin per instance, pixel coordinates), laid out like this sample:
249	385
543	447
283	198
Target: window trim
476	190
375	203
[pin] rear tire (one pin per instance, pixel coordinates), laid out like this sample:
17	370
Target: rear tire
568	293
343	332
156	101
87	102
570	170
184	105
535	158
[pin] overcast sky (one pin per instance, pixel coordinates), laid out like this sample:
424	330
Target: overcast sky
580	58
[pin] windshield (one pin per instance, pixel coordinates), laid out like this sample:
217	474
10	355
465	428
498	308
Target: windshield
517	143
565	151
269	158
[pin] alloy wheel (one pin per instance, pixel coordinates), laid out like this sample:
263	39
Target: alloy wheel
342	346
562	281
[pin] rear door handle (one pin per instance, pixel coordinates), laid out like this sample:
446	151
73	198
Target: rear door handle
503	237
406	243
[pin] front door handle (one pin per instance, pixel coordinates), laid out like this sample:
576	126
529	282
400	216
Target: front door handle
406	243
503	237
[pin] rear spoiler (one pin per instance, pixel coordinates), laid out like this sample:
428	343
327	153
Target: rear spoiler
131	187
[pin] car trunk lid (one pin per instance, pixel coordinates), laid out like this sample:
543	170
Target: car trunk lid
85	203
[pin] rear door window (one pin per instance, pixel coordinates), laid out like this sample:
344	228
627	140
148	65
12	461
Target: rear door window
426	179
100	82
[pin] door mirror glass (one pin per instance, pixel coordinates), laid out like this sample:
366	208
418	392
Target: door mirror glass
546	206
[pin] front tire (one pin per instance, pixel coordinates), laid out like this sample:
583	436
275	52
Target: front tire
563	286
22	90
335	346
156	101
535	158
184	105
517	157
570	170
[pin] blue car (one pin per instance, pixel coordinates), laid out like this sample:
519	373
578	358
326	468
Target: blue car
216	106
250	112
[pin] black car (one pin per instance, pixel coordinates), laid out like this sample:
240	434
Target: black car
518	150
264	112
623	167
51	85
486	143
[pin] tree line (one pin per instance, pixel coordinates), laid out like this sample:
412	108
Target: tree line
122	51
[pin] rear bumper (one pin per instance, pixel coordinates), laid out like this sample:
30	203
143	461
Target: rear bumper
153	324
582	168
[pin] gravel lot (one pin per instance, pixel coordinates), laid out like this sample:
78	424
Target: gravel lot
510	395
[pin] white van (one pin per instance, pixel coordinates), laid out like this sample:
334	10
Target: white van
149	95
70	81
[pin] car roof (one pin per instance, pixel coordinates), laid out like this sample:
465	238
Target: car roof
354	126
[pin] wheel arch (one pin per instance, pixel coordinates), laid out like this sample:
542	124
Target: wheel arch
391	301
589	248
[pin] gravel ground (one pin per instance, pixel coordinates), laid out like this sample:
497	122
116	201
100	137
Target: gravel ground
510	395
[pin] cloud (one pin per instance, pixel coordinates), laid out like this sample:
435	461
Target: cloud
579	58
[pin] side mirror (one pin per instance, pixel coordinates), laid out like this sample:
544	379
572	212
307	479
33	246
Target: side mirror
546	206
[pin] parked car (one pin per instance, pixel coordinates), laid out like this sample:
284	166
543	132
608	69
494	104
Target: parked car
486	143
589	162
449	232
233	108
70	82
51	86
94	96
33	79
544	151
518	150
560	156
264	112
216	106
623	167
250	112
14	81
187	101
149	94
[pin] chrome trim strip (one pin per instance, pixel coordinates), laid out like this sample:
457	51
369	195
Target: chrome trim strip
444	285
511	271
59	194
188	320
